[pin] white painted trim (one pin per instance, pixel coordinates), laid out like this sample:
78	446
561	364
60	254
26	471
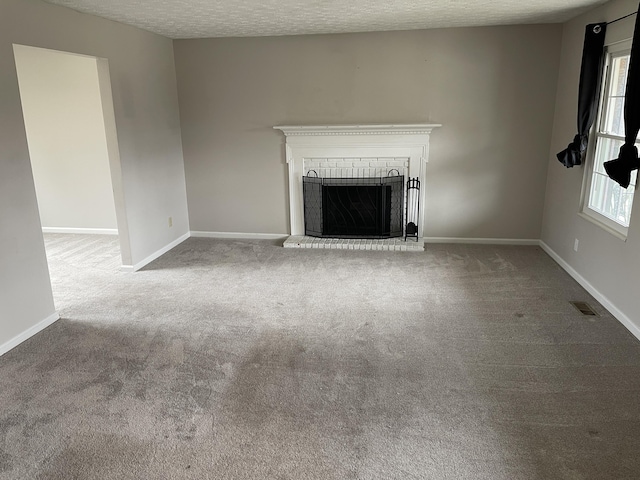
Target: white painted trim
153	256
240	235
324	130
593	217
334	142
82	231
483	241
27	334
604	301
277	236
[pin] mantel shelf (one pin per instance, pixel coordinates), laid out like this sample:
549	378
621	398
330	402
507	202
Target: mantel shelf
322	130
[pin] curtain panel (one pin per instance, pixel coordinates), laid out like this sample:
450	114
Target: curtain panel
588	93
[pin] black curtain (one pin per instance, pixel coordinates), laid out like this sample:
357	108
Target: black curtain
588	92
627	161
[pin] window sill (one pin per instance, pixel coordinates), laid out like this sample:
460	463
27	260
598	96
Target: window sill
596	221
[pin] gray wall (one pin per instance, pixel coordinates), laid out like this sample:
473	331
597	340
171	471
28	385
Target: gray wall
493	89
146	113
608	263
64	122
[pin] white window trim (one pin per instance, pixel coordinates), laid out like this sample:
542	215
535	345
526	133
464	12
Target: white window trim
611	226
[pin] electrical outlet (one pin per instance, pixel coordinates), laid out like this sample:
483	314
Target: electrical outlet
575	245
170	221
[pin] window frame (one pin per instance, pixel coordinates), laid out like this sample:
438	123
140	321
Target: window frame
615	228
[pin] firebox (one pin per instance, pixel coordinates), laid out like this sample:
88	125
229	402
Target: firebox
353	207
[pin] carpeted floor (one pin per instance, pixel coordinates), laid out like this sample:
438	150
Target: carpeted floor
244	360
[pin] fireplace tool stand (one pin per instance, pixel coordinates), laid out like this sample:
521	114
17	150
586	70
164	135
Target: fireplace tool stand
413	209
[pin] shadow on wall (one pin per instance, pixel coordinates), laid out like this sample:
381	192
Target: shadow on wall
464	199
485	178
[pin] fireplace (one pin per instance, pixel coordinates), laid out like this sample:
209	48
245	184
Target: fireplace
359	155
353	207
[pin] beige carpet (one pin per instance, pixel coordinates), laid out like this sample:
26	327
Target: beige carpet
245	360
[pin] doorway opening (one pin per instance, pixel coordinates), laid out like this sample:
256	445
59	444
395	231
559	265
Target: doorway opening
70	125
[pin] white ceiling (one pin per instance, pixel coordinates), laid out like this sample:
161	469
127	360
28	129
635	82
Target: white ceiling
251	18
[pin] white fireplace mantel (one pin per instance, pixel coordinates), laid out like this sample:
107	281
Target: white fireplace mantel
352	151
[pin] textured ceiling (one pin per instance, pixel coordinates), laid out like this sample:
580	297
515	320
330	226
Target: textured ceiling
251	18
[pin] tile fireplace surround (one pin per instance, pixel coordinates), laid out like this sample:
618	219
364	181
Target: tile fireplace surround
354	151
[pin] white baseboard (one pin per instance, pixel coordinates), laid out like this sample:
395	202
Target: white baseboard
277	236
483	241
240	235
153	256
83	231
604	301
30	332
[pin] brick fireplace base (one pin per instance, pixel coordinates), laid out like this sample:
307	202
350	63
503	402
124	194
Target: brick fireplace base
395	244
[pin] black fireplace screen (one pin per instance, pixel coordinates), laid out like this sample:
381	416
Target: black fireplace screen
353	207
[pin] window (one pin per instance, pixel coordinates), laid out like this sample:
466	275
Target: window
605	202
